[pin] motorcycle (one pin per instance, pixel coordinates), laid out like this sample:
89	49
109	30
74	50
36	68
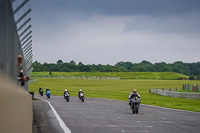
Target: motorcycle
67	96
82	97
41	92
135	102
48	94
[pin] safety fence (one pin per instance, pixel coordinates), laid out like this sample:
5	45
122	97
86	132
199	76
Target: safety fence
15	37
191	87
173	93
21	10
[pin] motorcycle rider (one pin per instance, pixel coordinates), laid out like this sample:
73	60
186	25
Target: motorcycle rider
40	90
66	91
80	91
47	89
133	95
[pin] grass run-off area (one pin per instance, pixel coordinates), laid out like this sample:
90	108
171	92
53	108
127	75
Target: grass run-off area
122	75
119	90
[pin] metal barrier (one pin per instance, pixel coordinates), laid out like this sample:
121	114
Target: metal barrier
170	93
191	87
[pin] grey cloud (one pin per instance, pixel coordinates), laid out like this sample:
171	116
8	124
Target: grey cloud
108	31
98	40
184	24
121	7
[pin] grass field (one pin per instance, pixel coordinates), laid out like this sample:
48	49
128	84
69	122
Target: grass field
119	90
122	75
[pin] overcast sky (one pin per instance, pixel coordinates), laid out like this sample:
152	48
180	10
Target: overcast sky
110	31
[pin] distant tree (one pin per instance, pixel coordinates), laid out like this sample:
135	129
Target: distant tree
144	66
125	66
160	67
83	68
191	69
59	62
37	66
73	62
146	62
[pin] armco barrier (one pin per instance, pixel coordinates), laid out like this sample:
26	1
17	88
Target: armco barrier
191	87
15	108
166	92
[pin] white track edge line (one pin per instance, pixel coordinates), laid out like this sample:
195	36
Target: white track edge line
170	108
62	124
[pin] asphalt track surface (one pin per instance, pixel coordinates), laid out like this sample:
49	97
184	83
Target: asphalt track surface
111	116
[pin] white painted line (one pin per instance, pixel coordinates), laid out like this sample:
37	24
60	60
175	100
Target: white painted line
170	108
141	131
167	122
124	126
62	124
126	131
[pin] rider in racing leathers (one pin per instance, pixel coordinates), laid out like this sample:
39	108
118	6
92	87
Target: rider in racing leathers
80	91
66	91
133	95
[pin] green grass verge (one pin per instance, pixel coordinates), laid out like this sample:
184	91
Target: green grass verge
119	90
122	75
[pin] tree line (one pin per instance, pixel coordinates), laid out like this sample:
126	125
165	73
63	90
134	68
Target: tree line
190	69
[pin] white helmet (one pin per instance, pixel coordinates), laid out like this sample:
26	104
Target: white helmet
65	89
47	87
80	89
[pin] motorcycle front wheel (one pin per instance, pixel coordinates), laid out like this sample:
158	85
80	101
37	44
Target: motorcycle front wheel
136	108
133	109
67	99
82	99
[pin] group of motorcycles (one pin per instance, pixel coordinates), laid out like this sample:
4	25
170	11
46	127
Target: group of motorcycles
66	95
134	103
48	92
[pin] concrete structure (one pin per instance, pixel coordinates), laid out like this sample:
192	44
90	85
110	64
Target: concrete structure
171	93
15	107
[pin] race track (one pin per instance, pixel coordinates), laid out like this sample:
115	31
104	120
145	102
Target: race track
111	116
